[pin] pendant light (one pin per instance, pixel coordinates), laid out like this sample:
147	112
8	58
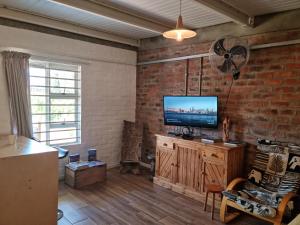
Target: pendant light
179	33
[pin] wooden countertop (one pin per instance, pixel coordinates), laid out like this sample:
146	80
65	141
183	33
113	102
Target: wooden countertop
197	141
23	146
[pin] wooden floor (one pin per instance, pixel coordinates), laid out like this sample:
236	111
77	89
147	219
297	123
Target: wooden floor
134	200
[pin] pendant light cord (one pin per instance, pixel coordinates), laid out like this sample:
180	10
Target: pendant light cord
180	7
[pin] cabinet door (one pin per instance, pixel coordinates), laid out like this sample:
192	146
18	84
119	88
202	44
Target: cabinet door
164	163
188	167
213	173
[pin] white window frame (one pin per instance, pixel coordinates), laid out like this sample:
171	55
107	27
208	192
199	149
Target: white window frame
48	66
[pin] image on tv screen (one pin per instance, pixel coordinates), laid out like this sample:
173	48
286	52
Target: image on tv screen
191	111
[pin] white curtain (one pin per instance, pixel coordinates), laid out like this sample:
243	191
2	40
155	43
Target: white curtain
16	66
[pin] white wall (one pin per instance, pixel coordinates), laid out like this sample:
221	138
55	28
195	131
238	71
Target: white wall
108	86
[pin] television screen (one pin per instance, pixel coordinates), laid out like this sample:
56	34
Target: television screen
194	111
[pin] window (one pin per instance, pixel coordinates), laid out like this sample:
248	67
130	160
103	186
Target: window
55	102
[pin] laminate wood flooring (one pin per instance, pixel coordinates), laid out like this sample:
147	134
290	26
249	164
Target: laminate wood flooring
134	200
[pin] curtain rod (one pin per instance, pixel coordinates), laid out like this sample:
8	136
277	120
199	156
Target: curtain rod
254	47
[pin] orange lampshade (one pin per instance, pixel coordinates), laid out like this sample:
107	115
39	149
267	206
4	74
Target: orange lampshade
179	33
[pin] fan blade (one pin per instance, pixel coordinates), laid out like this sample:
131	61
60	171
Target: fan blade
219	47
226	66
239	50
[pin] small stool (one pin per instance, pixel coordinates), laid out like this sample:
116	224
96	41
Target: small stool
214	189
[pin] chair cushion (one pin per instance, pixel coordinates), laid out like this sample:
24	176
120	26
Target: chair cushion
276	171
262	195
250	206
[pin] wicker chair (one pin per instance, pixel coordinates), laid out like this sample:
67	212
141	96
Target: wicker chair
273	182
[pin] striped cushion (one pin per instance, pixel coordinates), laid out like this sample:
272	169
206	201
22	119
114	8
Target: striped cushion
277	170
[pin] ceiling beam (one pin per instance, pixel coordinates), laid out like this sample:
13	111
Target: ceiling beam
229	11
56	24
106	9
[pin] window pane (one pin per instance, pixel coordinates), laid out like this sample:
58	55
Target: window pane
59	102
37	72
37	90
40	127
62	109
38	100
62	117
62	101
62	125
38	118
37	81
40	136
70	133
62	74
63	142
62	83
38	109
62	90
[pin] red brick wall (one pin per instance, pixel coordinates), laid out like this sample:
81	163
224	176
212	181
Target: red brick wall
264	102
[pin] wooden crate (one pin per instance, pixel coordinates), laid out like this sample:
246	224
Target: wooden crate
84	177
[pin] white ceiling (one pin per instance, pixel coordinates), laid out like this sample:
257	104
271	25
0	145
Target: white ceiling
57	11
195	15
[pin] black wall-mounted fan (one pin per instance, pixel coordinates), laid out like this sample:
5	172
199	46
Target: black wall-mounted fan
228	55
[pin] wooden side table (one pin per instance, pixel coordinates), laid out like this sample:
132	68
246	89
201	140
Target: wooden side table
214	189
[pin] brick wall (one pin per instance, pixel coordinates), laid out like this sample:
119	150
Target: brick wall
264	102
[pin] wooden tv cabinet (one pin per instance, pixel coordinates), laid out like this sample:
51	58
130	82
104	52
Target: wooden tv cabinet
185	166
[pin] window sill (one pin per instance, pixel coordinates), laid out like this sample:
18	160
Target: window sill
66	145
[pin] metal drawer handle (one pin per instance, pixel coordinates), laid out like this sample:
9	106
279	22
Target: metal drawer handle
165	144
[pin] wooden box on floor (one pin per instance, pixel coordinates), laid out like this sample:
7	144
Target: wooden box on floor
84	177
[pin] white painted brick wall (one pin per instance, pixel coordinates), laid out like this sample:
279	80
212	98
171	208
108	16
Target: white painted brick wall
107	100
108	89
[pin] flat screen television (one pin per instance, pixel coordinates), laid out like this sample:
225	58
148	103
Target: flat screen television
193	111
